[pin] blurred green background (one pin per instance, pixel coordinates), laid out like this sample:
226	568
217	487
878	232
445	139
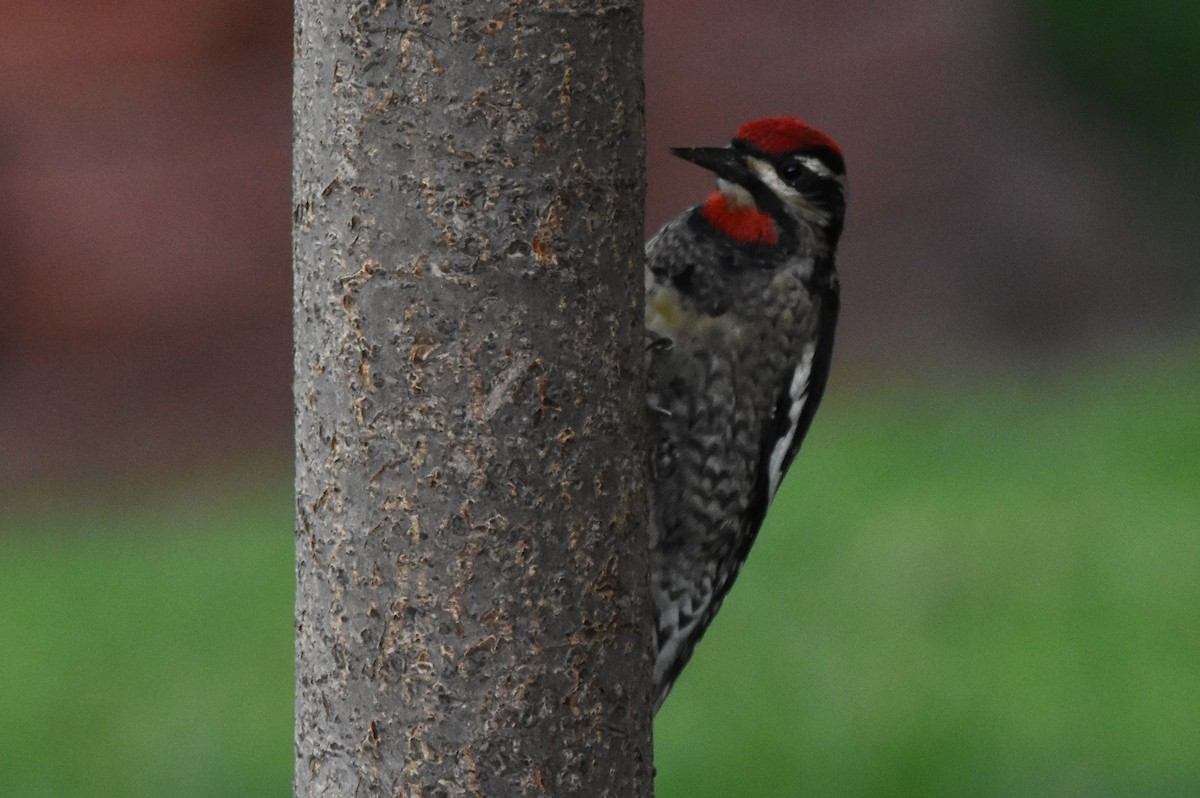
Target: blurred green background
989	591
980	578
1134	62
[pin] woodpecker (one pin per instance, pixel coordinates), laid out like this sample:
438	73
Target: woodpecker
741	305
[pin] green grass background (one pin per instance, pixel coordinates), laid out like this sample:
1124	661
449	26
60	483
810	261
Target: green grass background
993	592
988	591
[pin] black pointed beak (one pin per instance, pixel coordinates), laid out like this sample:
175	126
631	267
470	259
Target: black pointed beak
724	162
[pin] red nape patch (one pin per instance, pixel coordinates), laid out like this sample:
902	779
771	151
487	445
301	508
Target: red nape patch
743	223
784	134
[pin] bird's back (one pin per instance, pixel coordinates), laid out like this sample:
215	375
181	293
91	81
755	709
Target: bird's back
724	346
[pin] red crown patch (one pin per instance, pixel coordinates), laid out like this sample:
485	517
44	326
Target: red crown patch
784	134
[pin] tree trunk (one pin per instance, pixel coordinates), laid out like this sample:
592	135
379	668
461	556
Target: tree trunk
471	556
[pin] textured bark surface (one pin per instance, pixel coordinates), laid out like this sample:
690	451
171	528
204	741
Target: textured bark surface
471	554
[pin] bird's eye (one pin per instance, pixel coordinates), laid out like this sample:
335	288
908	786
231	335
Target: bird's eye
790	171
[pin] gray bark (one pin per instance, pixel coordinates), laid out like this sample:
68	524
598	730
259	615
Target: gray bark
471	558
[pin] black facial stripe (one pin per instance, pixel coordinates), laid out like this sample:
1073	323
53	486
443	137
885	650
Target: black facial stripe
803	179
825	192
826	155
767	200
822	192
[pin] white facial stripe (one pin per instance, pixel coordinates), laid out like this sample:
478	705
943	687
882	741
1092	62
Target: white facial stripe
818	167
797	201
735	195
768	175
798	395
815	165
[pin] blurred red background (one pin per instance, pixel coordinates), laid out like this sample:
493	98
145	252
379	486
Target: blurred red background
144	227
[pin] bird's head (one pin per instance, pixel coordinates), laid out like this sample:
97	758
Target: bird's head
776	175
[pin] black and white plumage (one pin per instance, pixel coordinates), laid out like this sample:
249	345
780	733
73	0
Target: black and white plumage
741	305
